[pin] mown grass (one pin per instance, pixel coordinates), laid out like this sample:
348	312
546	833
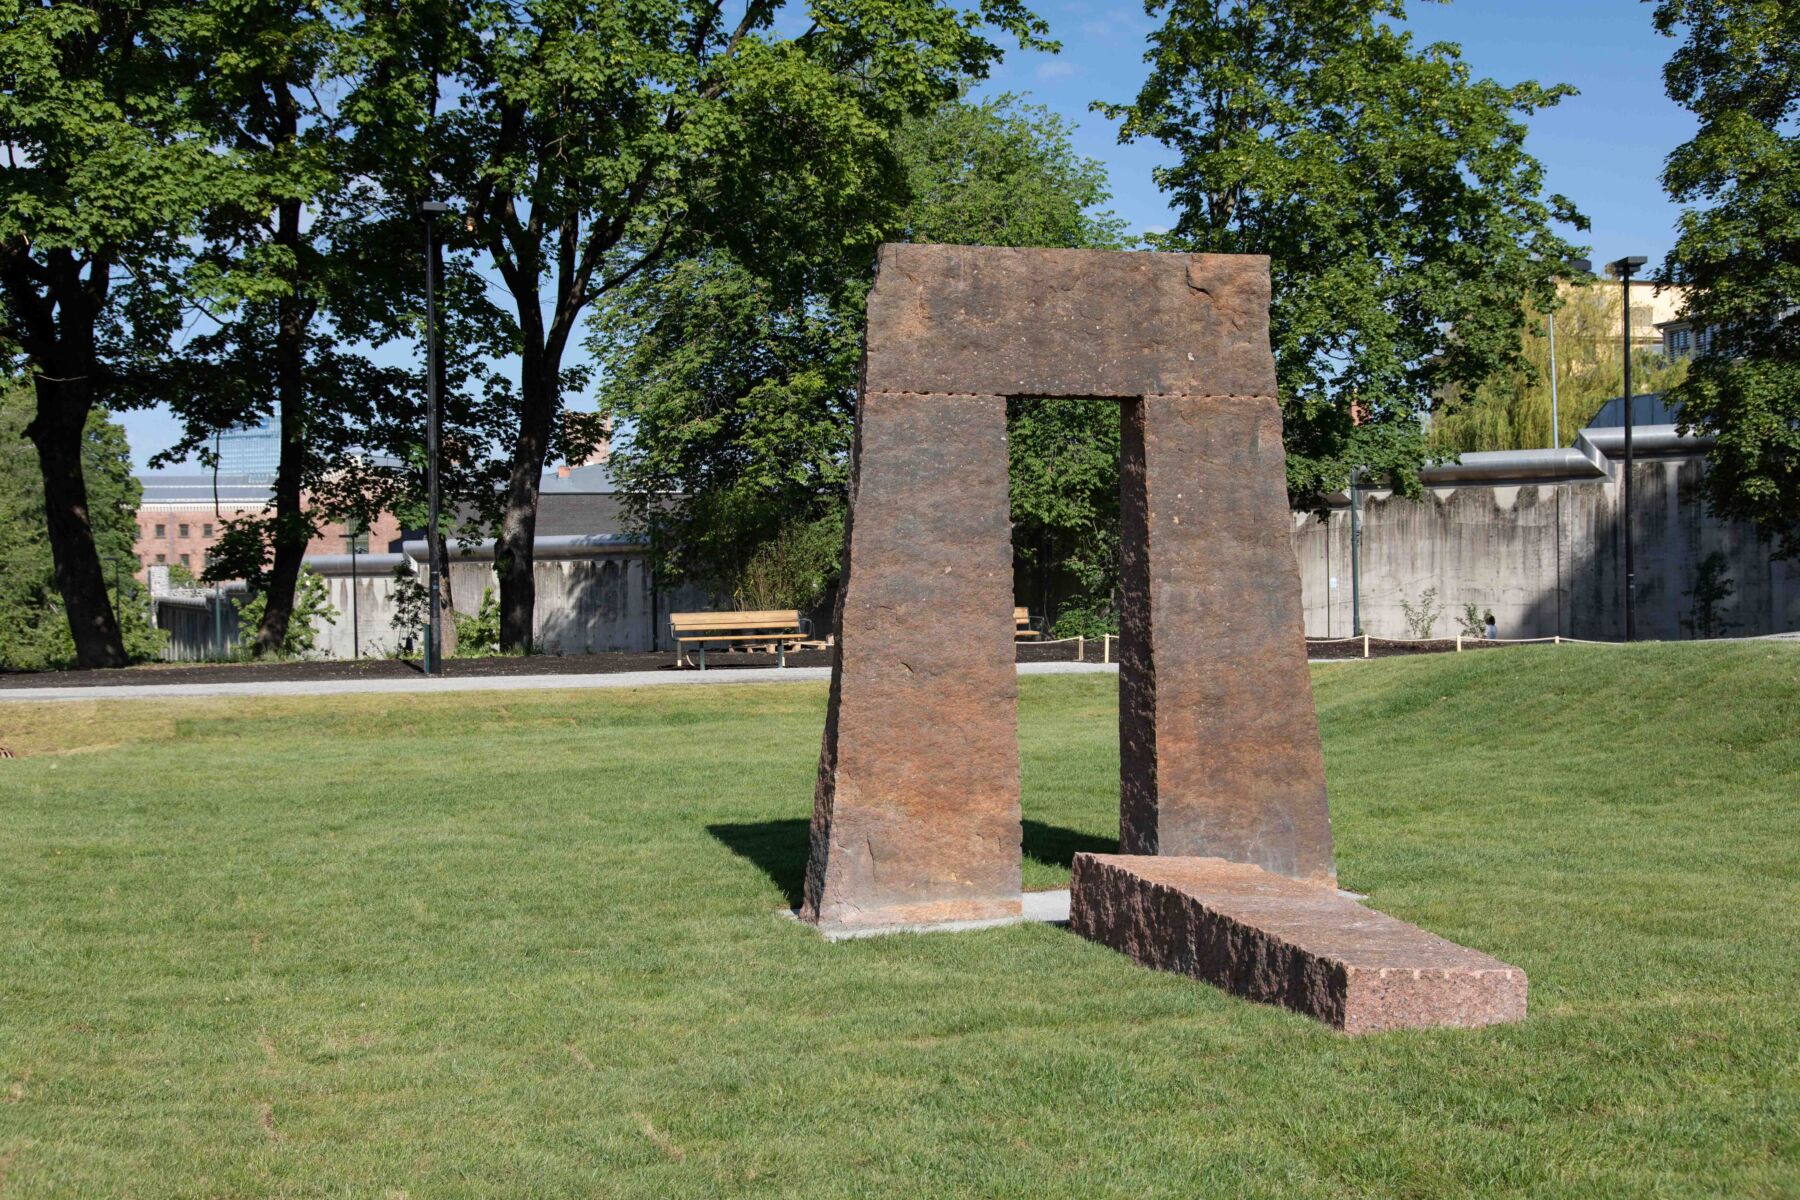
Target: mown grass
525	945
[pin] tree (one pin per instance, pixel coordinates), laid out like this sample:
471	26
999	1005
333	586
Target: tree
1403	217
102	174
590	141
739	397
34	630
262	277
1511	411
1738	250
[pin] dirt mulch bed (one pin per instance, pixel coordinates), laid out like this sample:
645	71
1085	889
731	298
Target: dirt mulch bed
456	668
596	664
1392	648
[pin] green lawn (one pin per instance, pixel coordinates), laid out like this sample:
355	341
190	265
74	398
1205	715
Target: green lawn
518	945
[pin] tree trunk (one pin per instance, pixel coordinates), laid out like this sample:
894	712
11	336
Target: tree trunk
63	405
515	546
293	313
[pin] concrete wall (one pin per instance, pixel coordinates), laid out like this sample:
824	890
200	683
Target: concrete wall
1545	556
590	599
202	627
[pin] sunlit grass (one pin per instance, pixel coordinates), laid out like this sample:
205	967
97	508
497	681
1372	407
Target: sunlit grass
525	944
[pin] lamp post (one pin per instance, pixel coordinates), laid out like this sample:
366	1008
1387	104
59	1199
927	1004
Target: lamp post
430	210
1624	268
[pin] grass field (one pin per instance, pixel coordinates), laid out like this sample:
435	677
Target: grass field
525	945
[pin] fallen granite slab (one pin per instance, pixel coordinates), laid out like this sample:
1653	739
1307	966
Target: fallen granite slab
1277	940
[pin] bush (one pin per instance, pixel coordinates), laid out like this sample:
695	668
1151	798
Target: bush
1091	620
480	634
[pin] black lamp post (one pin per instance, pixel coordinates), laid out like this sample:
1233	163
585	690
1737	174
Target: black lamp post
430	210
1624	268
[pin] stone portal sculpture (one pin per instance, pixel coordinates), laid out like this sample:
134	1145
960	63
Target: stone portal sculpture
916	812
916	815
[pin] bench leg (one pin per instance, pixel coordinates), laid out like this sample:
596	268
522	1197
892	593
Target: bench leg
781	654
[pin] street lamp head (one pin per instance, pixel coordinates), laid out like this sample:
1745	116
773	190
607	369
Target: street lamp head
1625	267
1582	266
433	207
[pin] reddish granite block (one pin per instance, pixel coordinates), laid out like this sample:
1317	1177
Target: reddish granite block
1219	742
916	810
1273	939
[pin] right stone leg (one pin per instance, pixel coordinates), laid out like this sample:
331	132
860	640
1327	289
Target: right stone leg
1218	740
916	813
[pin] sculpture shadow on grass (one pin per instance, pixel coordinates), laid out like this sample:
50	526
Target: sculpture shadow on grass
779	848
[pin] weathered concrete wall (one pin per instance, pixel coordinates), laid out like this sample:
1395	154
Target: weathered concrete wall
585	604
365	611
1546	557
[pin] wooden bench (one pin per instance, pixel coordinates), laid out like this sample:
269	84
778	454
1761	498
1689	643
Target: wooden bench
770	627
1022	625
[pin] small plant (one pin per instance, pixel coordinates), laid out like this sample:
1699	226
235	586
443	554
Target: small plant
480	634
1712	587
1474	624
411	600
1422	616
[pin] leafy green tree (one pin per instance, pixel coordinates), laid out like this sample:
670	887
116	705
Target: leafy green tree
103	173
1392	191
1738	249
34	631
589	142
1511	410
295	262
739	397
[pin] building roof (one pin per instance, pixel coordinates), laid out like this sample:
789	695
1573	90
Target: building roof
1647	408
233	490
595	479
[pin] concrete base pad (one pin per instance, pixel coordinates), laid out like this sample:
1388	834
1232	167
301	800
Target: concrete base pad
1050	908
1269	938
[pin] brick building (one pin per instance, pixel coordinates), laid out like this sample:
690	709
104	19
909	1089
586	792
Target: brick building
182	516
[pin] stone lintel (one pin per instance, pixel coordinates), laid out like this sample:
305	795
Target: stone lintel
1269	938
1039	322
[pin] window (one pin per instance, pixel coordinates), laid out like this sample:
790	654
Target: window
162	559
182	530
356	536
206	530
162	531
185	562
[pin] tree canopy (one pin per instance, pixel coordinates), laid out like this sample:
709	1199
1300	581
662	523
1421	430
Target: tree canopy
1404	219
737	395
1738	249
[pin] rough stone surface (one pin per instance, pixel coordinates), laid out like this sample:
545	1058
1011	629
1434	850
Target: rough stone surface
916	812
1038	322
1273	939
1219	742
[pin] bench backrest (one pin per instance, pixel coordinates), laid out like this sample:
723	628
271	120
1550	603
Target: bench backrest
774	618
1021	616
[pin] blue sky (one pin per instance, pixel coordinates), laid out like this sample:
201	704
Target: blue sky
1604	148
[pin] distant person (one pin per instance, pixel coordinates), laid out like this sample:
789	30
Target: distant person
1492	631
